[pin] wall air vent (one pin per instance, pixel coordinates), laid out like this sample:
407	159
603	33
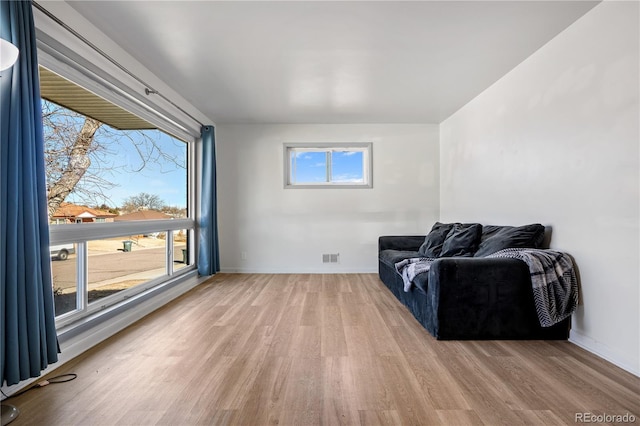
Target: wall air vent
331	258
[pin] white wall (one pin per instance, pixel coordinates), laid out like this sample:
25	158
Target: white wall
287	230
556	141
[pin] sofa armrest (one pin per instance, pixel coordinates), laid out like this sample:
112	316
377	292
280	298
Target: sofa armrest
400	242
481	297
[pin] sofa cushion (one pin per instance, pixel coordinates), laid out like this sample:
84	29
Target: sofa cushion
391	257
432	246
462	240
496	238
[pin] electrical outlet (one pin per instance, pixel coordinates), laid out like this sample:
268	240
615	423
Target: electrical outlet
243	255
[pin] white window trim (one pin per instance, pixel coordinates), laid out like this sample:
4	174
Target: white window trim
82	234
86	78
365	147
72	233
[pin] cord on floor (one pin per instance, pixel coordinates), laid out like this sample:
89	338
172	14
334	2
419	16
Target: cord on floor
63	378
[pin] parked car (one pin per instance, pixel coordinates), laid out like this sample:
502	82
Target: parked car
61	251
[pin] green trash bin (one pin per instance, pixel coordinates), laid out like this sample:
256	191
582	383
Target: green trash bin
126	245
185	256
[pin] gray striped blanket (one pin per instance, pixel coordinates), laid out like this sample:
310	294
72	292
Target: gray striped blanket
553	280
409	268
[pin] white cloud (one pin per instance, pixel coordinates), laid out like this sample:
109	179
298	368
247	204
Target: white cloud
303	156
348	177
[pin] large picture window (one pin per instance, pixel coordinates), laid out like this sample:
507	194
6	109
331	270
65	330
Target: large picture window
328	165
118	200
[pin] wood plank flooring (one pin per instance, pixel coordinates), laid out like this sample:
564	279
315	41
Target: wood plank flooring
319	349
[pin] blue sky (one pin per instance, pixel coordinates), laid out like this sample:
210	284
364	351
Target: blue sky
161	177
124	168
311	166
347	166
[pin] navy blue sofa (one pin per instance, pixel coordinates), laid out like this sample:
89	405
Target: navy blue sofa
468	296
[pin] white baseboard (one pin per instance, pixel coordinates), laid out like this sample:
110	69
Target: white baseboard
605	352
332	270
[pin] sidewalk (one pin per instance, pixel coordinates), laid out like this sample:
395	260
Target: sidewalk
127	281
116	244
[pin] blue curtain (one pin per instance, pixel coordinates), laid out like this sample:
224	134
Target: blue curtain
28	342
208	253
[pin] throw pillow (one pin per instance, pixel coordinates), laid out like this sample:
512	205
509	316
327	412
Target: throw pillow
432	245
496	238
462	240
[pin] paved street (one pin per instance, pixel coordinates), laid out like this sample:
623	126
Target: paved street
104	267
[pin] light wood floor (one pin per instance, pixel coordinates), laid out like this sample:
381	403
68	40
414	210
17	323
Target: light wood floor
319	349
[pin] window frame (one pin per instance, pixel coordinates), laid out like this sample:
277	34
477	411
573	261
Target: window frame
81	234
329	147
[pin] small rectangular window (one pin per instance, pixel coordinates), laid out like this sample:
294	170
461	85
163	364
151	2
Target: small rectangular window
335	165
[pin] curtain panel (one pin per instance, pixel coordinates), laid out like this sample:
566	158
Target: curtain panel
28	342
208	250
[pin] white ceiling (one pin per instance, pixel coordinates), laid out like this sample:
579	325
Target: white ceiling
330	61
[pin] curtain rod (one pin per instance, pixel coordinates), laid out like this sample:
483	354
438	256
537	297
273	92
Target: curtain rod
149	90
